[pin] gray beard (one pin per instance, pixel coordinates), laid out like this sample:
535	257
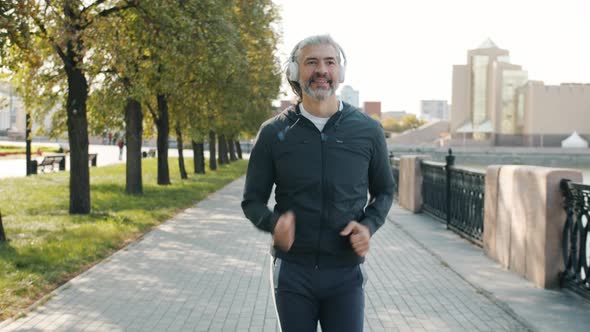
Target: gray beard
319	94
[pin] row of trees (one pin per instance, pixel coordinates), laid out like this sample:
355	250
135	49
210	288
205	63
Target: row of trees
191	69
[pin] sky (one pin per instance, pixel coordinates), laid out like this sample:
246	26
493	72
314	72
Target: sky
402	51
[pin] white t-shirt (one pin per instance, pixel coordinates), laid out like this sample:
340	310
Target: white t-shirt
316	120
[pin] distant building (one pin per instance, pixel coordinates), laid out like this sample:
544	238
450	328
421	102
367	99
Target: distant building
13	115
373	108
483	93
495	103
434	110
398	115
275	110
349	95
12	111
548	114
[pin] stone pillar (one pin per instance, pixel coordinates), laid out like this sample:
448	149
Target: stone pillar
490	210
524	220
410	182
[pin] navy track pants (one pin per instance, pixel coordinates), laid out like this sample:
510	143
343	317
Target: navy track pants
305	295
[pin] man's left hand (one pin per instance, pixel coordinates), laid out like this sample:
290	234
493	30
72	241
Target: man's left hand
359	237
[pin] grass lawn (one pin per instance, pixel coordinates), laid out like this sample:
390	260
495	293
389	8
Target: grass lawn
47	246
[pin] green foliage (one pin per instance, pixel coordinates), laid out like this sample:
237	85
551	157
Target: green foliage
411	121
408	122
213	59
47	245
45	40
390	124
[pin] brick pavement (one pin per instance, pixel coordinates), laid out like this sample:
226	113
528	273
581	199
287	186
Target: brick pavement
207	270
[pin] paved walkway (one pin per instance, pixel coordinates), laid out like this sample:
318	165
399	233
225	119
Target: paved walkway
207	270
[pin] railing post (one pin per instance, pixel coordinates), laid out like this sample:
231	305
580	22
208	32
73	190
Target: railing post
568	244
450	159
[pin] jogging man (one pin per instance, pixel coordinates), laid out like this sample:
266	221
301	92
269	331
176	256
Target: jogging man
323	156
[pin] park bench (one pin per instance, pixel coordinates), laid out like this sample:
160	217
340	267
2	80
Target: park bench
50	161
150	153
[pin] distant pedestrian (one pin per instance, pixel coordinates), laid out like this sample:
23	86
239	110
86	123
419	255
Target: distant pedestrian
323	156
120	144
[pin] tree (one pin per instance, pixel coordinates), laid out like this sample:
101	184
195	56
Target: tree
118	94
165	23
257	76
52	38
411	121
390	124
408	122
191	41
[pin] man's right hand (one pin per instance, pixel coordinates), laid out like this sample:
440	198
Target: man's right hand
284	233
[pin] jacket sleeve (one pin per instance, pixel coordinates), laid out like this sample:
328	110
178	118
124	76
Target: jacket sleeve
380	185
259	181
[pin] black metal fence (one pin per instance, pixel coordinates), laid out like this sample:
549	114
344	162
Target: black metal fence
454	195
467	203
448	188
434	189
576	239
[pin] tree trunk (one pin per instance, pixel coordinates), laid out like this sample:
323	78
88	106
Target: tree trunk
77	134
220	147
163	127
232	150
225	150
222	150
239	149
28	138
181	167
212	141
199	157
2	234
133	136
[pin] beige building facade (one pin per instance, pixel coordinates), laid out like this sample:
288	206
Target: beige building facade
12	111
548	114
483	93
494	103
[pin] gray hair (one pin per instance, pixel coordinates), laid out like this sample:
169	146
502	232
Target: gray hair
294	56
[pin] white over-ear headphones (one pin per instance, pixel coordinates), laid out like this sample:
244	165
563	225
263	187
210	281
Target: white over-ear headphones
293	69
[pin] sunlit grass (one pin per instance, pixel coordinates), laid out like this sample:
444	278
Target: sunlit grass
47	246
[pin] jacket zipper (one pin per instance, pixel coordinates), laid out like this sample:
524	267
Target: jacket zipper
323	139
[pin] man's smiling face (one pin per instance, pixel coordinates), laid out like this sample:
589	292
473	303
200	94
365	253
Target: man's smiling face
319	71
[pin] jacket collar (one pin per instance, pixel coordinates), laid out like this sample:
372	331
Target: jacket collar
293	112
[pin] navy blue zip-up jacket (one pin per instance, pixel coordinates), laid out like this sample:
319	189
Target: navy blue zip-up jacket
323	177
